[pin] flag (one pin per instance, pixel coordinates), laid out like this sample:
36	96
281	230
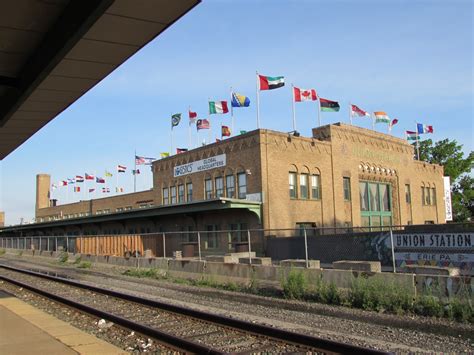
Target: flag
243	132
181	150
77	189
54	186
91	190
108	174
121	168
328	105
304	94
175	119
89	177
119	189
394	122
143	160
218	107
164	155
271	82
63	183
381	117
71	181
240	100
192	117
423	128
136	172
105	190
99	180
225	131
411	136
202	124
79	178
357	111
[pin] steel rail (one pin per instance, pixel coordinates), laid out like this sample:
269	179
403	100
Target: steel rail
245	326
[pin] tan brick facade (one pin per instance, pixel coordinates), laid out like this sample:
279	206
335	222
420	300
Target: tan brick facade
264	159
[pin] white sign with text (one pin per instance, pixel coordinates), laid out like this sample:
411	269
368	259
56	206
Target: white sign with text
217	161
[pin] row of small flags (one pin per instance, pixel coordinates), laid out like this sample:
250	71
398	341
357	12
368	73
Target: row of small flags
139	160
299	95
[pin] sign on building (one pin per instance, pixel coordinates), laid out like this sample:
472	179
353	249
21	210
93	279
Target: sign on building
447	198
200	165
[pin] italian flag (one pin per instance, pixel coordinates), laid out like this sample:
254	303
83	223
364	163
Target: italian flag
271	82
218	107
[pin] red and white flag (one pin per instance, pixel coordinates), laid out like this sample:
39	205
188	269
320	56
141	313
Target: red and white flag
89	177
304	94
192	117
357	111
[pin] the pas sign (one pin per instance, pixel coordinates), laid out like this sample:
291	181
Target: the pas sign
200	165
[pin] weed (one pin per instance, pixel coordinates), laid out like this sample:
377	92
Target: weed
77	260
295	285
144	273
428	305
85	265
63	257
2	251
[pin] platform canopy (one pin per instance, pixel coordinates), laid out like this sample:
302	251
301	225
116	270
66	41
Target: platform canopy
52	52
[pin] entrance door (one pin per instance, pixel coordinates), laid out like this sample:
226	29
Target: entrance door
375	204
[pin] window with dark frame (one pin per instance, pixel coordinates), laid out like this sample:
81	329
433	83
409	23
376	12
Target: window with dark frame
181	193
208	189
173	194
304	186
230	186
242	184
316	187
219	183
189	192
292	185
166	197
346	183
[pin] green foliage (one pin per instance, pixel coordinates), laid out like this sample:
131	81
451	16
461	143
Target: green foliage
294	285
85	265
77	260
2	251
63	257
145	273
428	305
449	154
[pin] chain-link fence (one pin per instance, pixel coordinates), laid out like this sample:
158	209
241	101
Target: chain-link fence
395	247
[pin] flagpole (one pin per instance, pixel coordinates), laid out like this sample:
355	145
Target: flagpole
171	152
231	110
116	181
417	143
319	111
373	122
210	125
258	102
293	106
350	112
135	174
189	128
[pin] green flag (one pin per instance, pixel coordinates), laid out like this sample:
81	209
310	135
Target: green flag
175	119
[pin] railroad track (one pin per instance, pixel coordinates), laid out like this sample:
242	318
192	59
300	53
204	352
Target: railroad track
181	328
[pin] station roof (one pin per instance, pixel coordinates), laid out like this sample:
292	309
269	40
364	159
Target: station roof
53	52
190	208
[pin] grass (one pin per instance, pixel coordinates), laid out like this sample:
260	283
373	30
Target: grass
84	265
2	251
63	257
365	293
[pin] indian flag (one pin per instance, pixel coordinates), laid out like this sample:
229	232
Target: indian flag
381	117
271	82
411	136
218	107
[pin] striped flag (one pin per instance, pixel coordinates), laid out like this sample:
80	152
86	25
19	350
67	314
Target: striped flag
304	94
381	117
121	168
271	82
216	107
356	111
411	136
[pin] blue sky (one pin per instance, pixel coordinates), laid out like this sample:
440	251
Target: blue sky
412	59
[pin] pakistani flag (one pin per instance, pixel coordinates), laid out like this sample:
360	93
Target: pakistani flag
175	119
271	82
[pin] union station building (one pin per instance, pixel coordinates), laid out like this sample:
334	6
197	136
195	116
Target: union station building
342	176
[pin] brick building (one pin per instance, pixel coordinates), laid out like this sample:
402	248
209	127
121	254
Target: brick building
341	176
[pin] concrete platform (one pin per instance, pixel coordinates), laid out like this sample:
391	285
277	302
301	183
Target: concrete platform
27	330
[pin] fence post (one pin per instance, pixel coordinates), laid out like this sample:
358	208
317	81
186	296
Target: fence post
164	245
56	244
48	244
199	245
39	246
250	246
96	239
67	243
393	250
306	247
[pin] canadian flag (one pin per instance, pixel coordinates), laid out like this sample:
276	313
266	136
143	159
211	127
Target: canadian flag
304	94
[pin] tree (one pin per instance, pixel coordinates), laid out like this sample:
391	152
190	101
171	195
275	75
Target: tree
449	154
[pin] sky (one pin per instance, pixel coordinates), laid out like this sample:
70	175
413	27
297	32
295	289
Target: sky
412	59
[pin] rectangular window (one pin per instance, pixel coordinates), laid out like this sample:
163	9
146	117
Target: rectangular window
181	193
364	197
189	192
423	200
316	187
219	181
292	185
166	196
427	196
374	198
242	181
212	236
230	186
407	194
384	197
208	189
304	186
346	183
173	194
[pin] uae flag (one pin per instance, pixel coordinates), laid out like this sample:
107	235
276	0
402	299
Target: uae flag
328	105
304	94
271	82
218	107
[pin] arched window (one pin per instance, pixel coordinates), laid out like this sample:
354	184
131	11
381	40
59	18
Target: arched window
292	181
316	184
229	184
208	187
